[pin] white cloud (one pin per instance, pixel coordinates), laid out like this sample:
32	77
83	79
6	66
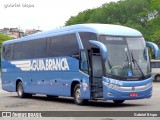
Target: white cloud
47	14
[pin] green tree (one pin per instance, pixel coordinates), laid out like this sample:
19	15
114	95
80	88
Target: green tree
82	17
3	38
143	15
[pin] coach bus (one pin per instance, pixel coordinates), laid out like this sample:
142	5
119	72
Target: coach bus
155	61
155	69
84	61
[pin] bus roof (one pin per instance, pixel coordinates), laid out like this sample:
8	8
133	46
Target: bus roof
105	29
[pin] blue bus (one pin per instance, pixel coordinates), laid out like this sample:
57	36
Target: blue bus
83	61
155	61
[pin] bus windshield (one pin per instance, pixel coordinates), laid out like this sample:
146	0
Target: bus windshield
127	56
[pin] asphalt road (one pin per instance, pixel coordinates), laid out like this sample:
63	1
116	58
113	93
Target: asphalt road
11	102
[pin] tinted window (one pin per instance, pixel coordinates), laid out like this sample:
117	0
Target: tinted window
155	64
7	52
29	49
84	62
17	51
64	45
85	37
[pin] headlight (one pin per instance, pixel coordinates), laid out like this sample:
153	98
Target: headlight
111	85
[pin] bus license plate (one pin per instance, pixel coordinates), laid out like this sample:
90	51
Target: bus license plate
133	94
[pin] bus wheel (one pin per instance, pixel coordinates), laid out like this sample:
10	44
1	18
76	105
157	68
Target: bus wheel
157	78
20	90
118	101
77	95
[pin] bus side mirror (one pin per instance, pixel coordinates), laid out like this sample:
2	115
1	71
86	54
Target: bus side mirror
155	47
102	47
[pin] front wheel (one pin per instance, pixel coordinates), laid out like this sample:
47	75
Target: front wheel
157	78
77	96
118	101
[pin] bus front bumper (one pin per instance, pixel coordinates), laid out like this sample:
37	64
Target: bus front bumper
127	93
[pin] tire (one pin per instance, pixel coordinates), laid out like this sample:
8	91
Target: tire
77	95
157	78
118	101
20	90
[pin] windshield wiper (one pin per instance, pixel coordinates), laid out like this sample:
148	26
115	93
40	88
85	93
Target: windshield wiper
136	63
126	62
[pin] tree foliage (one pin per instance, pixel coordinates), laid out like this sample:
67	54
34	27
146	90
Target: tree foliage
4	38
143	15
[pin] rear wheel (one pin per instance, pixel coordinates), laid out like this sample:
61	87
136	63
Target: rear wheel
20	90
118	101
77	96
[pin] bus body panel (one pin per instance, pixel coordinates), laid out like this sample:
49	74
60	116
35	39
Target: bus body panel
85	88
37	78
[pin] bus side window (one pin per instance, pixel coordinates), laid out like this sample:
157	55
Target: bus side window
84	62
7	52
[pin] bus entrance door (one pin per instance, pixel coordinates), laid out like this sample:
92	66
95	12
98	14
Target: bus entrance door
96	74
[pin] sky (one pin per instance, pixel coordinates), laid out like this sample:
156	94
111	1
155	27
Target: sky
42	14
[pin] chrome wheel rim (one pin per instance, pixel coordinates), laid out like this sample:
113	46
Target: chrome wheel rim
78	95
20	90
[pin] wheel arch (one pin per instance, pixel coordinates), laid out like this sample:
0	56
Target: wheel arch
73	84
17	81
